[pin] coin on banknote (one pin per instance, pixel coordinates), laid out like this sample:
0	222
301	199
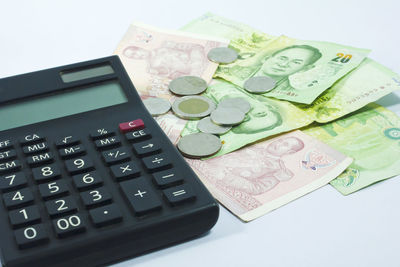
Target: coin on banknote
187	85
205	125
235	102
193	107
259	84
199	145
157	106
223	55
227	116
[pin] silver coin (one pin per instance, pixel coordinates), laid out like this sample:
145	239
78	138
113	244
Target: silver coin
199	145
157	106
205	125
193	107
187	85
227	116
259	84
223	55
236	102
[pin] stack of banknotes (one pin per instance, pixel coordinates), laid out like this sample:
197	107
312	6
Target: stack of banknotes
317	126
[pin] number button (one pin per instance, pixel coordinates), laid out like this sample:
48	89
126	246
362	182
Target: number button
61	206
18	198
106	215
31	236
22	217
87	180
79	165
12	181
96	197
53	189
69	225
46	173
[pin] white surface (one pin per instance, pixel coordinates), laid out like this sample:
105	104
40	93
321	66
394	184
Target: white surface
320	229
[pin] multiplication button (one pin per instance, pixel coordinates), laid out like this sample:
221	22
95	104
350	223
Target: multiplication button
125	170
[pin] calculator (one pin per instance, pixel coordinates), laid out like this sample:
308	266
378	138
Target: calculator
87	177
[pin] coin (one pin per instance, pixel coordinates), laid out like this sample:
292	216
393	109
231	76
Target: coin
205	125
236	102
227	116
199	145
187	85
259	84
193	107
157	106
223	55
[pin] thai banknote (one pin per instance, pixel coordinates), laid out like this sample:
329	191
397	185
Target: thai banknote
257	179
153	57
372	137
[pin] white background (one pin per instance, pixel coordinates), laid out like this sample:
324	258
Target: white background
322	228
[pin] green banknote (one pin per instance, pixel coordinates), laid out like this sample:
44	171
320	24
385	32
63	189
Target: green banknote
302	69
372	137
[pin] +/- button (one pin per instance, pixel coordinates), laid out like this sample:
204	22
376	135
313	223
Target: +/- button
131	126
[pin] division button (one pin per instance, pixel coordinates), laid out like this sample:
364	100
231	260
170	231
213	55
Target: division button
125	171
79	165
69	225
106	215
12	181
5	143
40	159
10	166
31	236
53	189
24	216
140	195
61	206
18	198
46	173
139	135
7	155
115	156
31	138
73	151
146	148
96	197
68	140
167	178
107	142
131	126
157	162
40	147
101	133
179	194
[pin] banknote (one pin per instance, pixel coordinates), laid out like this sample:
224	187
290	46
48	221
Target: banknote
257	179
372	137
302	70
153	57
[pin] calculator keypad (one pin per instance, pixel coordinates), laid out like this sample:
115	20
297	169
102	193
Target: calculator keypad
31	236
46	173
69	225
12	181
24	216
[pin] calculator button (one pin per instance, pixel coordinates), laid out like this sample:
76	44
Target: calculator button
18	198
61	206
87	180
79	165
139	135
31	139
125	171
157	162
69	225
115	156
7	155
31	236
73	151
140	196
96	197
40	159
10	166
46	173
167	178
25	216
12	181
179	194
107	143
131	126
105	215
40	147
101	133
5	143
53	189
146	148
67	141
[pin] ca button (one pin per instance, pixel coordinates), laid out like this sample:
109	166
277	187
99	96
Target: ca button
31	138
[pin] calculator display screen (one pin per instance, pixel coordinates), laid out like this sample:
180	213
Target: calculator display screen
62	104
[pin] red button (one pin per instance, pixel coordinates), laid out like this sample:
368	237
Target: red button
131	126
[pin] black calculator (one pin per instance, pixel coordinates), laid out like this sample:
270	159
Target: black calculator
87	177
